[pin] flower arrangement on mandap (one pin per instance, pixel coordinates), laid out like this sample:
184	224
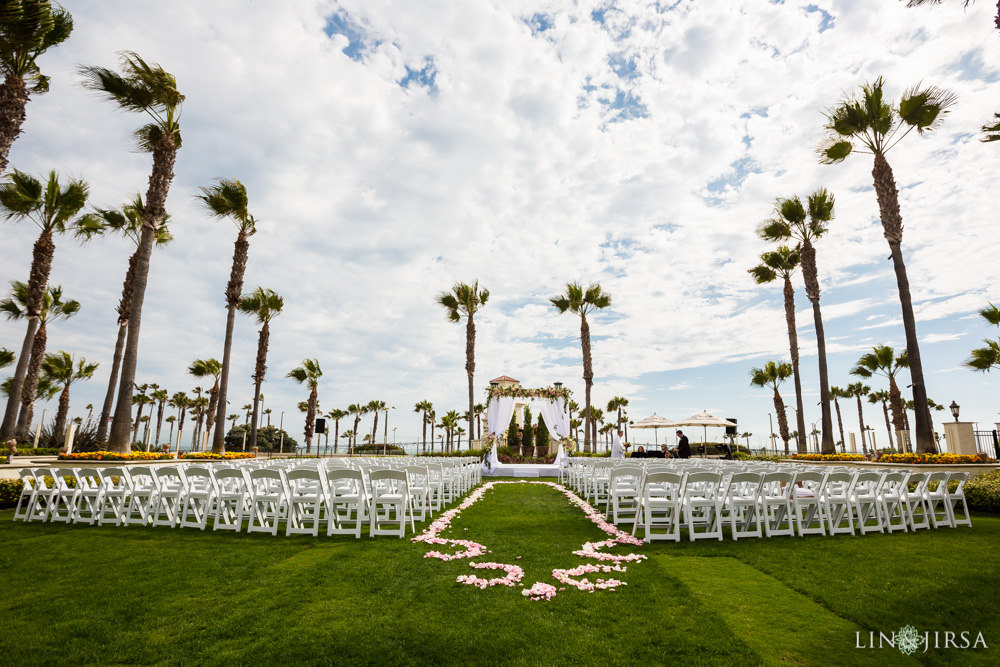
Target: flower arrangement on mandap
524	392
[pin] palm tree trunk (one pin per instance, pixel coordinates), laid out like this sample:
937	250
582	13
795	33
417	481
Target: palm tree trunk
793	349
336	434
432	436
162	174
470	370
14	398
234	289
861	423
60	427
588	379
779	409
375	426
888	426
828	446
13	100
424	438
171	436
159	422
137	423
840	425
211	414
258	377
892	223
30	389
898	411
109	397
311	418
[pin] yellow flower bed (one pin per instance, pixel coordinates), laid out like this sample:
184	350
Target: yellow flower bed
943	459
227	456
828	457
115	456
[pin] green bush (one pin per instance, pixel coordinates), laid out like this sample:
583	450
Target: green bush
38	451
10	491
982	492
542	438
378	450
268	439
465	452
528	441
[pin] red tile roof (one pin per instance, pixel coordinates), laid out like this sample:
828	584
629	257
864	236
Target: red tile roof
505	378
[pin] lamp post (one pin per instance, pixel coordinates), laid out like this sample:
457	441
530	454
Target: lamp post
385	432
393	436
954	410
815	434
871	436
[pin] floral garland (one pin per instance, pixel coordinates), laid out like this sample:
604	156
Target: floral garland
517	391
539	590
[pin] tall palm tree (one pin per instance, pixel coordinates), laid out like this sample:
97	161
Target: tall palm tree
882	396
771	375
143	88
265	305
572	407
232	419
783	262
835	393
28	28
450	422
857	390
199	409
62	369
161	396
424	407
52	207
228	199
596	419
793	221
375	406
884	361
170	420
877	125
54	308
615	405
309	374
126	221
581	301
355	409
480	410
181	403
432	418
336	415
140	400
985	358
209	368
466	300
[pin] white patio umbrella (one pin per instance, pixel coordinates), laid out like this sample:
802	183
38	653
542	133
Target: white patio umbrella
654	422
705	419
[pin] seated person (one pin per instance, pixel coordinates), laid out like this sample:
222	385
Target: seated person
683	448
639	453
660	453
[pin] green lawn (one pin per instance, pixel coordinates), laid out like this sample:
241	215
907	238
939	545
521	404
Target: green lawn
106	595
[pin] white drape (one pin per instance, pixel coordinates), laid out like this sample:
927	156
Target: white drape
556	417
500	412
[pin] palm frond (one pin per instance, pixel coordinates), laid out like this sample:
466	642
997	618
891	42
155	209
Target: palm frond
924	109
984	358
991	132
991	314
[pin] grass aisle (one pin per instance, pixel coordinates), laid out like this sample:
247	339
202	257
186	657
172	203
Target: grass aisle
106	595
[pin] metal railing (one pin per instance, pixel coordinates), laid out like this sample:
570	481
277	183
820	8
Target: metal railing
987	442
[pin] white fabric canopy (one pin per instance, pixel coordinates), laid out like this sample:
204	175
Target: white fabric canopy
553	412
499	414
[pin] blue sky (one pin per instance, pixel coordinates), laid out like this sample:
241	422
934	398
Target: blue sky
392	148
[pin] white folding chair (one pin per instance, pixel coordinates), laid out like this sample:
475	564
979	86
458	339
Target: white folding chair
348	508
956	498
807	501
914	502
232	502
661	506
41	494
307	498
892	494
199	501
865	503
142	499
171	487
116	485
390	503
420	493
268	500
703	498
88	500
837	502
29	489
742	504
623	494
776	503
936	495
63	496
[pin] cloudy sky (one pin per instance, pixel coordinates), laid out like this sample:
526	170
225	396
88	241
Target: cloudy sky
392	148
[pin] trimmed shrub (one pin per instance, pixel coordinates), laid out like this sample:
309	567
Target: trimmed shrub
465	452
37	451
828	457
378	450
542	438
982	492
513	440
529	432
10	491
268	439
114	456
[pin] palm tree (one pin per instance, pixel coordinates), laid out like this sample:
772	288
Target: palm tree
336	415
265	305
28	28
835	393
459	431
160	396
596	419
882	360
268	414
581	301
985	358
181	403
375	406
126	221
572	407
450	422
357	410
875	124
615	405
309	373
782	262
54	308
143	88
228	199
793	221
199	409
857	390
466	300
52	207
140	400
480	410
349	436
882	396
424	407
232	418
747	435
209	368
61	369
432	418
771	375
991	132
170	420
